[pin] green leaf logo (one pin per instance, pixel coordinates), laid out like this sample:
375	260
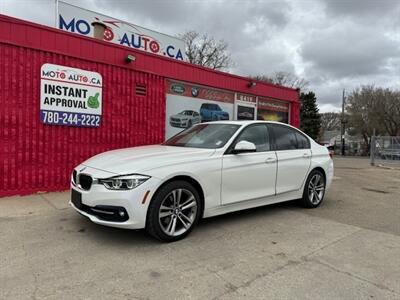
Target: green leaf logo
93	101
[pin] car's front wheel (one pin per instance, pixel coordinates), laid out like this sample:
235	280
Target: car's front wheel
314	189
173	211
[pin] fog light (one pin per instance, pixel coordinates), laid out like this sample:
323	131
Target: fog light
121	213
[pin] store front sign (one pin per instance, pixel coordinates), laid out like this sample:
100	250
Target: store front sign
78	20
70	96
272	110
245	98
201	92
274	105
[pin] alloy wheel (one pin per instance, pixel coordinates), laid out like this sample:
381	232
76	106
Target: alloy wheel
177	212
316	189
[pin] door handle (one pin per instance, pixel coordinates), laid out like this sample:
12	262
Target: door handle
270	160
306	155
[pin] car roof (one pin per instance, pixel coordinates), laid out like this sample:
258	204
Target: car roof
247	122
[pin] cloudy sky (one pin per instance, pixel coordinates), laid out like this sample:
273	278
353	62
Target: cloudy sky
334	44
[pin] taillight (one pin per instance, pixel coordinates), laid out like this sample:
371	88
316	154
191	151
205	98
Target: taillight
331	154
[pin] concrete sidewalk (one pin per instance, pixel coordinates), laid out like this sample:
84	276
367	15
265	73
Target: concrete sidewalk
349	248
41	203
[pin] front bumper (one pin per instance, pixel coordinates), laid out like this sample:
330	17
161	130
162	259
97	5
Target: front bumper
180	124
99	199
110	213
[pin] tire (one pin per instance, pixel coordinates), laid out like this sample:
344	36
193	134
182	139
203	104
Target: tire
189	124
314	189
179	216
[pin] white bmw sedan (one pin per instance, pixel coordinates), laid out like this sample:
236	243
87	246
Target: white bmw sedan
207	170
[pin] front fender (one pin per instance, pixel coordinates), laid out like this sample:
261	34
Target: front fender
208	175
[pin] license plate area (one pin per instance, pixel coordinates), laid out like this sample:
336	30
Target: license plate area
76	199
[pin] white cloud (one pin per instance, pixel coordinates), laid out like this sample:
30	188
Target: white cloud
333	44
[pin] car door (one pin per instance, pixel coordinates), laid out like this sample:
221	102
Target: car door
294	157
252	175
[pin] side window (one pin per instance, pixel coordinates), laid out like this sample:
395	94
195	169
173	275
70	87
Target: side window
285	137
258	135
302	141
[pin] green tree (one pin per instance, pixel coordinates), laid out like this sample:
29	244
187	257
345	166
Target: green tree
310	119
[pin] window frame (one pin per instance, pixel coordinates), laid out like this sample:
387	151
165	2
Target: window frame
294	130
230	148
304	136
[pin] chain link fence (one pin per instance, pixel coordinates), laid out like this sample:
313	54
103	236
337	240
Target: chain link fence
385	150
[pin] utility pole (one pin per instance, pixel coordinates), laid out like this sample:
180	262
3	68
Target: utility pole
343	123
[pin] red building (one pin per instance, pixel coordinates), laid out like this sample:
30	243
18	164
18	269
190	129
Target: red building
142	101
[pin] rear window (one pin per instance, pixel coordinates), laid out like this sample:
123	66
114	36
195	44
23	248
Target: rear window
302	141
287	138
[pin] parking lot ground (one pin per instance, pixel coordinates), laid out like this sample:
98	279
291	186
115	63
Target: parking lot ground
348	248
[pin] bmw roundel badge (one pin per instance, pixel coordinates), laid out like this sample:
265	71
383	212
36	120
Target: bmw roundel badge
195	91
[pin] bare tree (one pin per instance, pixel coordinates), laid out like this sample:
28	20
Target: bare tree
372	108
285	79
205	51
330	121
390	112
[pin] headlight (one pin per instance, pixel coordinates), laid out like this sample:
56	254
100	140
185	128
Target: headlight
127	182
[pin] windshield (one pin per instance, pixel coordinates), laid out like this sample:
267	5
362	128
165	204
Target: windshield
186	113
210	106
209	136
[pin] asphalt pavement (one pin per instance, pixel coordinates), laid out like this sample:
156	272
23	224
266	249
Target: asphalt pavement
348	248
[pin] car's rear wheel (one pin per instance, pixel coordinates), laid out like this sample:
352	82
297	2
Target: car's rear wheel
173	211
314	189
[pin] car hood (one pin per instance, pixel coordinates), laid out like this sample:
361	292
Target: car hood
180	116
145	158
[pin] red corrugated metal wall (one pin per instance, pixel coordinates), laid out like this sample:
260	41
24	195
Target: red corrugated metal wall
34	155
295	114
35	36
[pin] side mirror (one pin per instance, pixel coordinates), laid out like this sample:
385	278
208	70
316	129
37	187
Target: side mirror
244	147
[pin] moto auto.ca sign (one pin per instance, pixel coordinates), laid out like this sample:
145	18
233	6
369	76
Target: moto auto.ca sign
70	96
78	20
